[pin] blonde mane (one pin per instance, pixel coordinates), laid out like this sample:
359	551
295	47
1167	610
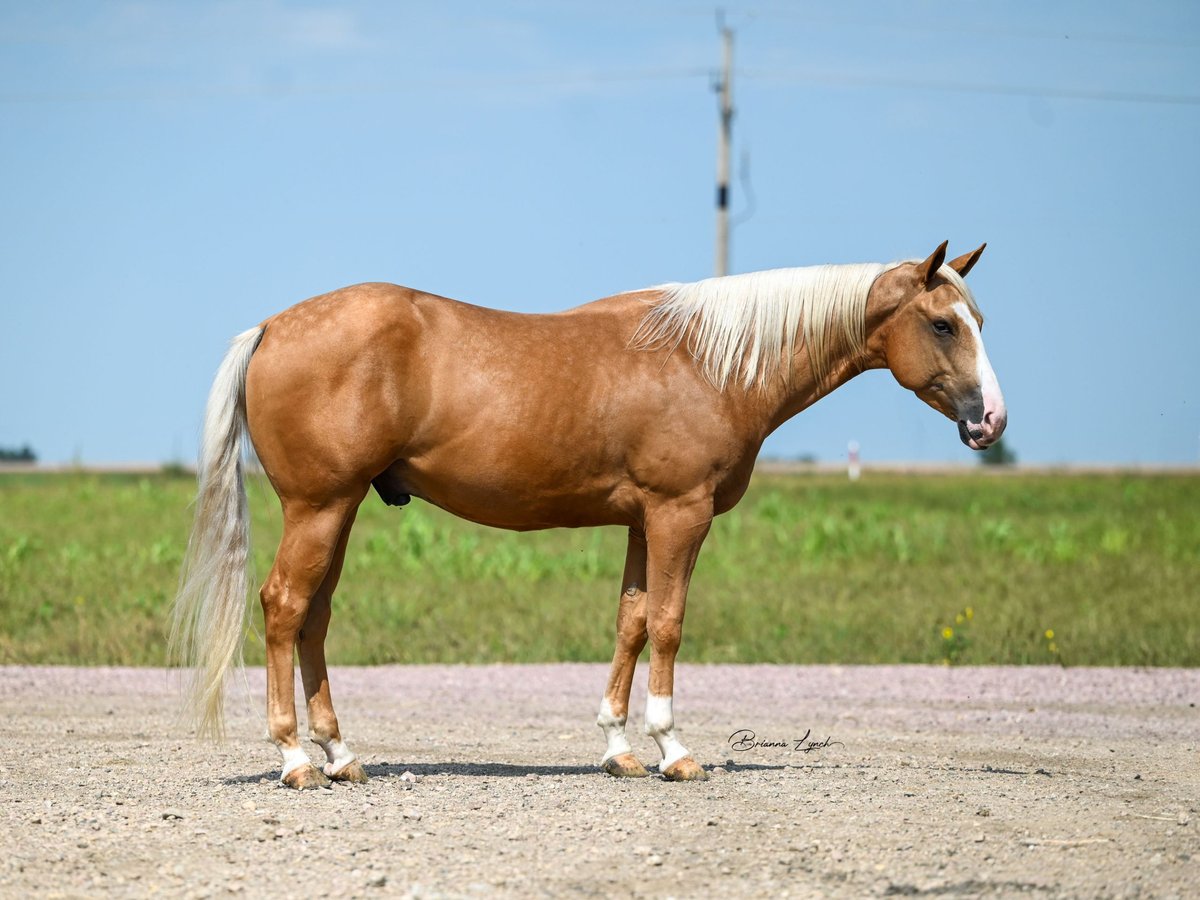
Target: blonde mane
744	327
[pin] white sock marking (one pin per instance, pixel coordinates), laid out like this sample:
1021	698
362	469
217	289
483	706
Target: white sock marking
338	754
293	758
660	725
614	731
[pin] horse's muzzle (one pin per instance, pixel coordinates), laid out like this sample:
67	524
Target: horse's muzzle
981	435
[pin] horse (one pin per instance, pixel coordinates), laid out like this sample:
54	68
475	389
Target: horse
644	410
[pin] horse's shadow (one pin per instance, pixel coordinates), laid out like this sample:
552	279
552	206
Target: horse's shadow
477	770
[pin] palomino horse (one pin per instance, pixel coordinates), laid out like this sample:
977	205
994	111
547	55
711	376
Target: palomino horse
644	410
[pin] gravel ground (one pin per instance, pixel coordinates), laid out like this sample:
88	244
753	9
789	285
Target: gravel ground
936	781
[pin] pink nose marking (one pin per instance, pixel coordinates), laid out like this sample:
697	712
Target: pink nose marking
994	422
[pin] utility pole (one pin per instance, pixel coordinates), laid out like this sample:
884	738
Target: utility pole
725	88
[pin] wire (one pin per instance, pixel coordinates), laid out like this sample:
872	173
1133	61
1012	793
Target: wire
591	79
850	80
539	79
748	189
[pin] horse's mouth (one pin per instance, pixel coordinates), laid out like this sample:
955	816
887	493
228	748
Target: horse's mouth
974	441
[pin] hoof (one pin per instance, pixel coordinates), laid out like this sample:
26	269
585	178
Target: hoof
685	769
306	778
625	766
351	772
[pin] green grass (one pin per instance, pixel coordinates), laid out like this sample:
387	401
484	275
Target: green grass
808	569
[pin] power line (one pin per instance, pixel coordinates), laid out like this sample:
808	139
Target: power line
472	83
843	79
577	79
971	31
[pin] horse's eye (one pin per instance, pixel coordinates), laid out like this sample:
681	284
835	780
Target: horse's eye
941	326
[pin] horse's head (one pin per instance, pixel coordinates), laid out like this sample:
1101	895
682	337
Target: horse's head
931	341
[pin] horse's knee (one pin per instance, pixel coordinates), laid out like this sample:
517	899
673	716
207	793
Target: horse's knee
665	636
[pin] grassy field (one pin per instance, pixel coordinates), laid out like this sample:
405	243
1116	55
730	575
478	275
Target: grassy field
1079	570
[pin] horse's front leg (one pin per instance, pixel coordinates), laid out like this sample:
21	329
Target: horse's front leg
619	758
674	534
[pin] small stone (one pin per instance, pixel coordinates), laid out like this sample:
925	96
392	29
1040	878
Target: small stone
712	822
172	814
248	804
1156	859
1181	819
36	820
414	814
720	770
641	850
377	880
654	859
983	811
410	777
979	839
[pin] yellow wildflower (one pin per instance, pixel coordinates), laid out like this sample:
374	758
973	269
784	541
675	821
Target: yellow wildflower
1049	634
947	633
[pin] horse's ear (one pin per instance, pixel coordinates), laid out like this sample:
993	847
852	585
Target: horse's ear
927	269
966	262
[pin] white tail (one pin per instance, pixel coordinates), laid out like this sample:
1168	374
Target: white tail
210	609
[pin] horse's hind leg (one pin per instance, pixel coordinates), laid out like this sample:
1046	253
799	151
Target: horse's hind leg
619	759
310	541
322	721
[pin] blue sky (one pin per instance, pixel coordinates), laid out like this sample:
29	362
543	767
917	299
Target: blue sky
175	172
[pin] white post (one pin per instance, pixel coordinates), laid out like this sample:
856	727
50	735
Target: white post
854	467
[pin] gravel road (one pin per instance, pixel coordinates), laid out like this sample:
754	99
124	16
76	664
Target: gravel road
935	781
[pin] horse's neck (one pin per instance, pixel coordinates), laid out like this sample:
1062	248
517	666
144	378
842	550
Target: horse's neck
801	389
